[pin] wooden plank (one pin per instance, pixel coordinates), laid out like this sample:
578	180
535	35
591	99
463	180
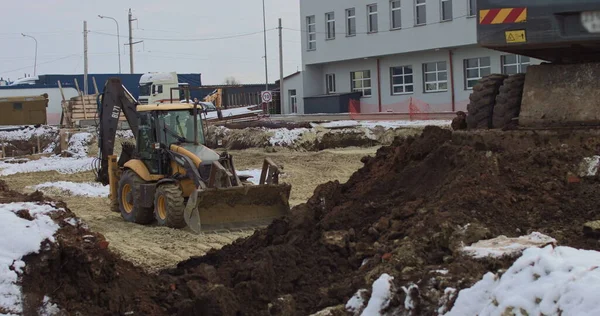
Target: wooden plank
95	85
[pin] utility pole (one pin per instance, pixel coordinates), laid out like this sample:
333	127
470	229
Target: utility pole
85	59
265	36
131	42
281	91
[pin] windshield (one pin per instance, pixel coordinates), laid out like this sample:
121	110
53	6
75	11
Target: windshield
145	89
178	127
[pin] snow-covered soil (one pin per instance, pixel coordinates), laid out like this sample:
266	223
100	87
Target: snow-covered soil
503	246
20	236
27	133
233	112
55	163
90	189
543	281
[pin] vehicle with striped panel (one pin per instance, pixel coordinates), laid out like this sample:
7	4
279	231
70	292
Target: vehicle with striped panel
564	90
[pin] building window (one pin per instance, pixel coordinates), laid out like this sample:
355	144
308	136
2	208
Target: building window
475	69
312	32
446	10
18	106
472	7
435	76
361	81
514	64
330	22
330	83
372	18
396	14
350	22
293	101
402	79
420	12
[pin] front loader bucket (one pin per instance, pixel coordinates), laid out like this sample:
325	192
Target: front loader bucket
247	206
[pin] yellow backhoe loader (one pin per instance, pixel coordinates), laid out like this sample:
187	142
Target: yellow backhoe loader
171	177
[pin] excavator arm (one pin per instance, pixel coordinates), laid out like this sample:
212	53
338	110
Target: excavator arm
114	99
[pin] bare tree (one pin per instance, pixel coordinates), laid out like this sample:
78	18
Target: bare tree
231	81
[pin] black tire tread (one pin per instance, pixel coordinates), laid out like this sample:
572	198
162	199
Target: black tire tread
508	101
482	100
175	204
139	215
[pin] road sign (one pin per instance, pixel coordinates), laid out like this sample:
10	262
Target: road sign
266	96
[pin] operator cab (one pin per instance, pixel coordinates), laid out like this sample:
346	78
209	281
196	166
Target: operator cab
171	124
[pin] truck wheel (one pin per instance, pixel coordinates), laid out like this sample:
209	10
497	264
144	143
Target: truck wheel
128	195
508	101
482	101
169	206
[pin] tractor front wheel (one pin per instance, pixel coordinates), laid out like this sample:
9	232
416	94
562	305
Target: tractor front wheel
169	206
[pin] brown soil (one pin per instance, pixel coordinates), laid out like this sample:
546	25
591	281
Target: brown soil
266	124
405	212
79	273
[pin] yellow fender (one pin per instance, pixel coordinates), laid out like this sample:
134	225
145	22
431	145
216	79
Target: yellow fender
141	170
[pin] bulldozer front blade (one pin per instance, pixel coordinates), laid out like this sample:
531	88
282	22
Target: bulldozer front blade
247	206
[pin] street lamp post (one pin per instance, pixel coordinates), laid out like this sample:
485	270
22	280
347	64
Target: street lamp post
36	48
118	37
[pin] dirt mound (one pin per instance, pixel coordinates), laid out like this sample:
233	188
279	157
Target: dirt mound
406	213
78	272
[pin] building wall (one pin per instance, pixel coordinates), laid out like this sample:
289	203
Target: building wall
418	100
460	31
293	83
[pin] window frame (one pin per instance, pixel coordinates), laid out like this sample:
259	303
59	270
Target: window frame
369	14
404	84
437	82
479	72
330	20
471	8
348	18
309	33
447	19
330	89
392	10
519	63
417	4
363	79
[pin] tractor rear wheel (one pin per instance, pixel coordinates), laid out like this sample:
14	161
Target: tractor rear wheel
128	196
169	206
482	100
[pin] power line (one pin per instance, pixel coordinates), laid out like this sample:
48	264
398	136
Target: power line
48	62
188	39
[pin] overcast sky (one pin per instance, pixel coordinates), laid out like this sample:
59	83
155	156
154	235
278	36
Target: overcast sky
167	28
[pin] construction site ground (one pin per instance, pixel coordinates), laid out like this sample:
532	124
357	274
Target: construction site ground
156	247
434	222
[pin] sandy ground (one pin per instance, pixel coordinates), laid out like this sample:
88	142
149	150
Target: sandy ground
157	247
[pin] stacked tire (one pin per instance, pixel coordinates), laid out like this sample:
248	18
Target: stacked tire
495	101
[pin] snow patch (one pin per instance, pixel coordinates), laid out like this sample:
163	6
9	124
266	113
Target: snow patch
20	237
54	163
380	295
27	133
543	281
504	246
356	303
90	189
78	144
48	308
125	134
286	137
408	301
255	173
589	166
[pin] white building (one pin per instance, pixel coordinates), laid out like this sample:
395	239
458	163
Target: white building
402	55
